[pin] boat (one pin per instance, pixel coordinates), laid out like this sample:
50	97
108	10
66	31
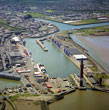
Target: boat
37	74
41	68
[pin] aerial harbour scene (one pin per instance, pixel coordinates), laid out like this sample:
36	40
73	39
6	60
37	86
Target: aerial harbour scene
54	55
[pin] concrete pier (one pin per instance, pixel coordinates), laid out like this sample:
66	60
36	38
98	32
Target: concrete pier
41	45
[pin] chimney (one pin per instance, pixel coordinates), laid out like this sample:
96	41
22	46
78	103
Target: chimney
100	81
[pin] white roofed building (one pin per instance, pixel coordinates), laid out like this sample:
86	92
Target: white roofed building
16	39
80	57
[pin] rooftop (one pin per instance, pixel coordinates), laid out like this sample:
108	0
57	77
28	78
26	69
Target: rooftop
80	57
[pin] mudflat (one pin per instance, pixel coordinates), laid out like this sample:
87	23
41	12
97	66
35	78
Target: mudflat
99	44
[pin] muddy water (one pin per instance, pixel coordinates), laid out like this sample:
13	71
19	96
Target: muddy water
83	100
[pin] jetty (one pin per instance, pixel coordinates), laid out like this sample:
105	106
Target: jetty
76	80
41	45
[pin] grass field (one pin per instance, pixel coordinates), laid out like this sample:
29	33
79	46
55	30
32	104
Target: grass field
34	14
50	11
100	30
90	21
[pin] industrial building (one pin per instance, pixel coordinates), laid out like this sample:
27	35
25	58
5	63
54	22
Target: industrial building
11	76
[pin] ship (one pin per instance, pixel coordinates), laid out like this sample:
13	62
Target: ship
41	68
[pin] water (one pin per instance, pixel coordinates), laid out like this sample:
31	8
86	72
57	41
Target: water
58	65
5	84
83	100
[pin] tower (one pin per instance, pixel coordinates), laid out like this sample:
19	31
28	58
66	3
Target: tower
81	72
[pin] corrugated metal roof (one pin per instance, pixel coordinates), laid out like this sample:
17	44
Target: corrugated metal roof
74	51
15	54
9	74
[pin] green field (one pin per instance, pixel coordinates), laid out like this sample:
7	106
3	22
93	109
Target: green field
93	31
50	11
34	14
3	21
64	33
89	21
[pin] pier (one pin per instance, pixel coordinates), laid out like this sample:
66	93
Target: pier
76	80
41	44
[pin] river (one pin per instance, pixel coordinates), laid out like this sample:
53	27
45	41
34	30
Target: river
58	65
